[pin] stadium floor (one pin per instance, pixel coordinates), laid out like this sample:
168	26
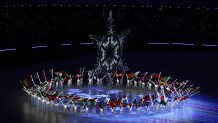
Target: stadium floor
198	67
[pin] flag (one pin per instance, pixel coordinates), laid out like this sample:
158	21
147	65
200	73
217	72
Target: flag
152	86
130	75
167	92
124	99
43	76
51	73
76	99
53	96
38	94
130	105
165	79
137	104
162	97
182	83
119	76
51	70
147	76
93	101
78	76
66	79
36	76
156	76
147	98
27	82
142	76
100	106
171	81
115	103
124	104
141	101
136	73
84	101
162	100
44	94
134	102
81	70
65	99
66	75
58	73
155	96
183	98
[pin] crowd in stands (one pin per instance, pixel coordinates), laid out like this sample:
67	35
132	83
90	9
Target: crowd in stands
55	25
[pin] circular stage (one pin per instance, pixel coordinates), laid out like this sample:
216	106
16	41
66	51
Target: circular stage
197	109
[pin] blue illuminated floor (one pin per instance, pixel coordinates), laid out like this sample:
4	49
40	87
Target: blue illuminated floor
196	109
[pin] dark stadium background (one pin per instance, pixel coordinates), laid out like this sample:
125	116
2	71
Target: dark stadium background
31	23
25	24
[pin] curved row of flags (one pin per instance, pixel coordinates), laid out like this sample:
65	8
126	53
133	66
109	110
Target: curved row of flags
159	91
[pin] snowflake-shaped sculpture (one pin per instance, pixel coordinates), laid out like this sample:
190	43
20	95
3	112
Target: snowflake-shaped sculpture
109	49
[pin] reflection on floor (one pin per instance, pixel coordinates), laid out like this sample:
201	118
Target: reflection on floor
196	109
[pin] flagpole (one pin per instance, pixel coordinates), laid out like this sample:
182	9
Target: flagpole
180	85
32	80
43	89
159	77
151	99
44	75
145	75
184	85
48	90
168	79
194	90
26	91
194	93
72	99
22	84
39	78
58	94
52	74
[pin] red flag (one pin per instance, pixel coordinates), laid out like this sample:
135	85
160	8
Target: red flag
130	75
119	76
183	98
100	106
113	104
162	97
66	79
78	76
147	98
156	76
